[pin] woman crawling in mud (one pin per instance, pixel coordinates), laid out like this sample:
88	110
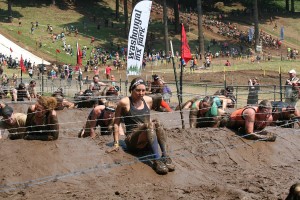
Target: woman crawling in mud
206	112
142	132
250	121
42	122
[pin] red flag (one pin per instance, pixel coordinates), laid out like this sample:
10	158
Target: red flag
185	49
11	50
23	68
79	55
57	51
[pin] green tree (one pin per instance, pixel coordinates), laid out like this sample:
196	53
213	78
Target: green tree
126	17
287	5
133	3
256	32
117	9
292	6
165	17
200	28
176	16
9	9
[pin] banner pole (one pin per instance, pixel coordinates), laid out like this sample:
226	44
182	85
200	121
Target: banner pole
21	75
280	83
181	66
177	88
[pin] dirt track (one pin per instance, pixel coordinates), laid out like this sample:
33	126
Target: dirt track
210	164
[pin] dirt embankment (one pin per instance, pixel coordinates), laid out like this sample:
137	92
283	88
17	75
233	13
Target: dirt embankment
210	164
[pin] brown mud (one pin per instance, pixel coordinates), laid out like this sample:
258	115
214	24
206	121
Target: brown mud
211	163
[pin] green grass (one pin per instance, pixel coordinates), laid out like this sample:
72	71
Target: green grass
60	18
281	3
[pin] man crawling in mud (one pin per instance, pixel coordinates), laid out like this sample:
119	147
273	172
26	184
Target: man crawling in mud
103	116
284	114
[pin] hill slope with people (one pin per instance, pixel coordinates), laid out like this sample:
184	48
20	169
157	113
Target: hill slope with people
41	34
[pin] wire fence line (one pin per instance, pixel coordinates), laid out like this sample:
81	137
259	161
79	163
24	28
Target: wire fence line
73	86
4	188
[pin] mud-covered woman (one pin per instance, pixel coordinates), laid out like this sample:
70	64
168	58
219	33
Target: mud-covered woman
142	133
42	122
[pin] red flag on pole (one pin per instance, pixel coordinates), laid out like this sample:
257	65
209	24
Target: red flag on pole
185	49
23	68
10	49
57	51
79	55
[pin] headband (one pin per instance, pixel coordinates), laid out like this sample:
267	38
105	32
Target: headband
138	82
110	109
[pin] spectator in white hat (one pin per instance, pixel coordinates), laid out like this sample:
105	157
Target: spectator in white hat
291	88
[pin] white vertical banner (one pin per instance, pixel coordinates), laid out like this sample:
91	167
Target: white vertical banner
137	37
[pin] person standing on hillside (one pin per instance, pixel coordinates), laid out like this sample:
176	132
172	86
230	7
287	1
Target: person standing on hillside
253	91
155	91
141	132
291	88
108	71
32	89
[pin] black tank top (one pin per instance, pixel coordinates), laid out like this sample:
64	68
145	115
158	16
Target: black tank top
135	116
21	94
103	124
96	87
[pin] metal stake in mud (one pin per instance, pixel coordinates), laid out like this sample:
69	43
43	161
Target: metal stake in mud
177	87
280	83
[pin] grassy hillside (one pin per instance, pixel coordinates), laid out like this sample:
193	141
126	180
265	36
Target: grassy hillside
86	19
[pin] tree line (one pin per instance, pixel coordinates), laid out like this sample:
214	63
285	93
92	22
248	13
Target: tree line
200	5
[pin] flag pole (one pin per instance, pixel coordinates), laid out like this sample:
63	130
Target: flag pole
21	64
280	83
21	75
181	66
177	88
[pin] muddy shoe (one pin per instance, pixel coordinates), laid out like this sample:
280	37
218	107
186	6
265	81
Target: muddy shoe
169	164
159	167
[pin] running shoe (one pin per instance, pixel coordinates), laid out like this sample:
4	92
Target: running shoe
159	167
